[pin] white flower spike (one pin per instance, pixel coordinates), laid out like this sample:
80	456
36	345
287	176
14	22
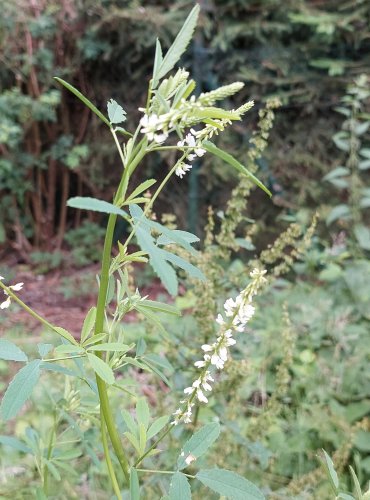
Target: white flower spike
238	313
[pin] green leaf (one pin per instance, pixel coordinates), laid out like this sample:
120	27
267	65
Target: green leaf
44	349
144	186
160	306
365	152
87	203
331	472
365	202
190	269
158	59
53	470
94	339
336	172
198	444
11	352
159	360
14	443
134	485
362	234
65	334
211	148
67	455
142	412
179	487
20	389
176	236
152	368
338	212
341	140
356	483
68	348
88	324
157	426
164	271
110	346
140	347
179	45
116	113
364	164
82	98
184	235
130	422
150	317
229	484
40	495
101	368
362	441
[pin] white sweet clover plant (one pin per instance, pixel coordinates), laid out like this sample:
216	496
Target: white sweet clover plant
173	118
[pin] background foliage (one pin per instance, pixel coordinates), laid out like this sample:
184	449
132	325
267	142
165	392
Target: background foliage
304	52
305	383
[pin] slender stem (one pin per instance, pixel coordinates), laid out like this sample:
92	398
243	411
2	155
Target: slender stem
30	311
164	472
108	460
167	431
118	145
51	360
99	325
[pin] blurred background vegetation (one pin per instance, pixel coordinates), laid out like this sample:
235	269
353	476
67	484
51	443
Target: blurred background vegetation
305	383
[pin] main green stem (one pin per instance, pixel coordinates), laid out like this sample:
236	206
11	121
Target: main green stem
99	327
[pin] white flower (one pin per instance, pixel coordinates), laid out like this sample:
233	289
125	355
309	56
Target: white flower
200	364
220	320
149	122
160	137
189	390
217	361
206	386
207	348
190	140
201	397
17	286
229	307
182	169
5	304
152	124
199	151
